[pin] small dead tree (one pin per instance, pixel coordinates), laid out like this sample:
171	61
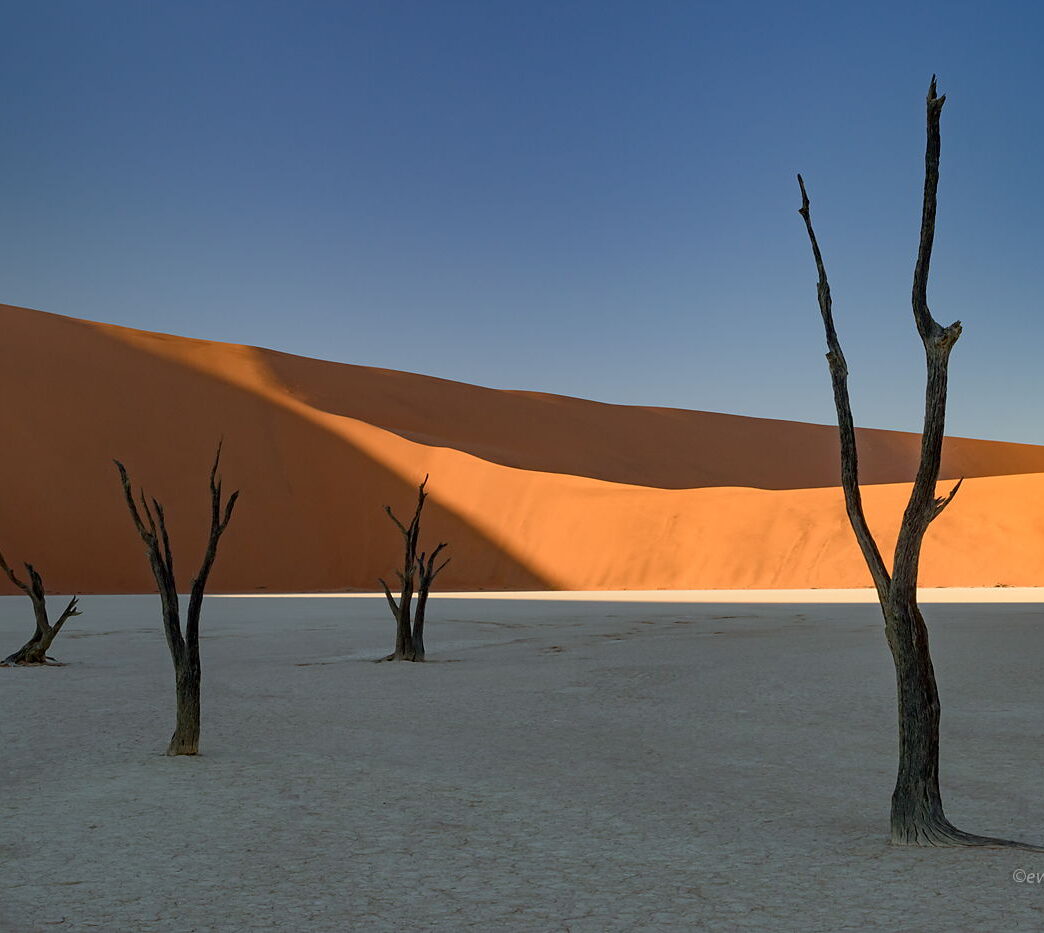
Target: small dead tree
35	650
183	644
417	574
917	812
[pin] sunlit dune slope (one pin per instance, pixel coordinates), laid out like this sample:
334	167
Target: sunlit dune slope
531	490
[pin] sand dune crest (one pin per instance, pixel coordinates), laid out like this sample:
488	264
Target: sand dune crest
532	490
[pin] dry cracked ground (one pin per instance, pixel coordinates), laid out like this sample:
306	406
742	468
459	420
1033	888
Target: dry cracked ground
559	765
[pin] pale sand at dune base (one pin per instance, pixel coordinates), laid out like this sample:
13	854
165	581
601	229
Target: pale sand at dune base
667	763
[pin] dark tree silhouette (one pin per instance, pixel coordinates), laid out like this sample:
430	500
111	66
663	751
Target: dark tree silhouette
417	574
917	810
35	650
184	644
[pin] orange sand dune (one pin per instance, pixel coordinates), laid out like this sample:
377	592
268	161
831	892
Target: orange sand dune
531	490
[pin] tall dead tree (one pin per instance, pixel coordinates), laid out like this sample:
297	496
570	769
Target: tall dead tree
917	811
417	574
35	650
183	643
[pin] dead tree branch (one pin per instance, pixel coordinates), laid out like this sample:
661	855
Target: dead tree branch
416	577
917	811
35	650
151	524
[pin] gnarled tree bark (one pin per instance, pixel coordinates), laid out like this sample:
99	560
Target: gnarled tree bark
917	816
35	650
417	574
183	644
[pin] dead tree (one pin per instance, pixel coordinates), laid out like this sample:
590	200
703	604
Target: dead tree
917	812
183	644
35	650
417	574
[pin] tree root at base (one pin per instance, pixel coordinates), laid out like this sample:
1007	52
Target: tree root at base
945	835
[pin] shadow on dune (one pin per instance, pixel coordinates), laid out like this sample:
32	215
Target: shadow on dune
318	448
666	448
310	515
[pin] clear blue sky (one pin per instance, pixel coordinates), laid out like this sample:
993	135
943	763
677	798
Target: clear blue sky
590	198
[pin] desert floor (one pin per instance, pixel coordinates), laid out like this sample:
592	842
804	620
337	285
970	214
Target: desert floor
564	762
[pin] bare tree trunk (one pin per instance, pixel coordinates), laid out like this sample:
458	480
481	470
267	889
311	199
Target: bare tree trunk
418	625
404	649
427	572
184	645
417	570
185	740
35	650
917	813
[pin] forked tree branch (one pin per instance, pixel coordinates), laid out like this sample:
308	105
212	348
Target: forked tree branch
218	524
402	528
162	569
923	507
166	554
428	570
846	425
409	532
12	576
35	650
388	595
128	494
941	503
917	816
927	326
415	577
36	584
183	643
67	613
